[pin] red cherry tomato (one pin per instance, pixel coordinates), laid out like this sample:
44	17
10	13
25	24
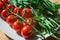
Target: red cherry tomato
27	31
4	1
1	5
11	6
26	12
17	10
11	19
5	13
18	25
0	10
31	21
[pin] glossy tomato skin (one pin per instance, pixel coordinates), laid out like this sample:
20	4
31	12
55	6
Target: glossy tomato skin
26	12
11	6
11	19
1	5
5	13
18	25
17	10
27	31
4	1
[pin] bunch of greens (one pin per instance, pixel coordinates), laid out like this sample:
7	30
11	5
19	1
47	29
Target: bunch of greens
46	14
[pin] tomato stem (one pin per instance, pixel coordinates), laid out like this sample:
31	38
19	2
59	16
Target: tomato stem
20	17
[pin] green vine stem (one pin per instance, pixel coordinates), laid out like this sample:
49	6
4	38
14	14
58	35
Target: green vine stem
20	17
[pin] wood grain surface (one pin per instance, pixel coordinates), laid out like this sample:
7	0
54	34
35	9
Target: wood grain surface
55	1
3	36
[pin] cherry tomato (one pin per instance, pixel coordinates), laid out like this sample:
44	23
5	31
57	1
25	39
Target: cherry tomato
11	6
27	31
1	5
26	12
5	13
18	25
11	19
31	21
0	10
17	10
4	1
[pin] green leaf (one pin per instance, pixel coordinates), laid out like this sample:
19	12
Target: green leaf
57	6
42	25
53	21
13	2
34	1
40	6
38	18
47	24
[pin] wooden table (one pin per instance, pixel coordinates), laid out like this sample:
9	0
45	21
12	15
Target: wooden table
3	36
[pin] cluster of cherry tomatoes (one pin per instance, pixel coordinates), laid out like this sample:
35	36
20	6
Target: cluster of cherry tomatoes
7	12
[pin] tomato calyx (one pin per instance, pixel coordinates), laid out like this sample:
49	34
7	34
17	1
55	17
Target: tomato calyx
17	10
5	13
19	23
13	19
31	21
24	12
31	32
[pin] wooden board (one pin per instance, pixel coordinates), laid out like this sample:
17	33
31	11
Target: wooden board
3	36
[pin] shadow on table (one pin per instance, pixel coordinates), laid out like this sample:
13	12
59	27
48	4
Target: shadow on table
34	38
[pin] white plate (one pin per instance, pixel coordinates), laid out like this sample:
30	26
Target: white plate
5	27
